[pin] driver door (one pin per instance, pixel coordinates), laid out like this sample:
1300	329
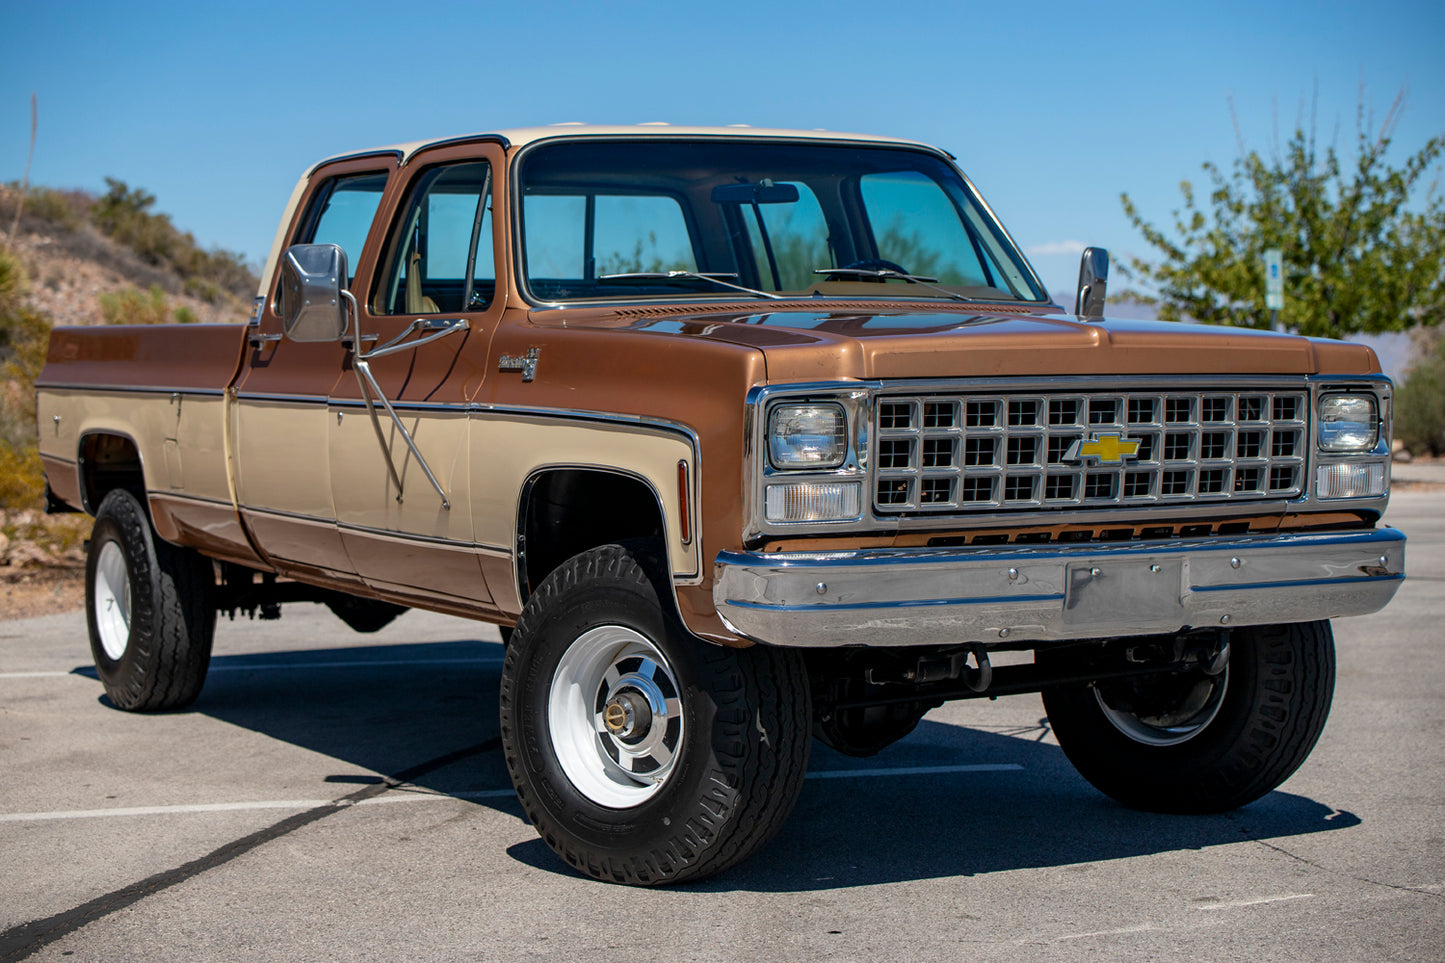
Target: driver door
404	506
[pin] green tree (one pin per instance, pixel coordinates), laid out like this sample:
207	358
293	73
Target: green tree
1420	402
1363	251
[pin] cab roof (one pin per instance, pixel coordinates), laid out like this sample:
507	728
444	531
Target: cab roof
521	136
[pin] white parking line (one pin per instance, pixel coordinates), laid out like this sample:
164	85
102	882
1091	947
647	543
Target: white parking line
913	771
299	804
1255	902
1122	931
270	666
358	664
408	795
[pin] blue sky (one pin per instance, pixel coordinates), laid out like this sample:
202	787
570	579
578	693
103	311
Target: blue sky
1052	108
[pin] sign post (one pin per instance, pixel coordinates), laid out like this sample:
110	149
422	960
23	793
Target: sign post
1274	285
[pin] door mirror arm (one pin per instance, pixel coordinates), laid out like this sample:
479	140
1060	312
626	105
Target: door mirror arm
369	389
439	328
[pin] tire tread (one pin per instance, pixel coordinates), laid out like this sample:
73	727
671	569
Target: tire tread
173	616
1290	671
762	755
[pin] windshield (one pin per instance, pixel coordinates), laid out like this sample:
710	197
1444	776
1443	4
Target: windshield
641	219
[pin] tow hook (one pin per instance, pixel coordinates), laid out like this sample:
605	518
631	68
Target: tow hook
979	676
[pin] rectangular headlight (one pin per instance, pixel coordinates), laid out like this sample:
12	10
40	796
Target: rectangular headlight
807	436
1349	422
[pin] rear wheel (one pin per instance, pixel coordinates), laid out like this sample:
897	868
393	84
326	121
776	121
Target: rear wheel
1195	742
642	754
149	608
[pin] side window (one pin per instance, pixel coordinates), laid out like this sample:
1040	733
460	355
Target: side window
442	258
640	232
341	214
573	239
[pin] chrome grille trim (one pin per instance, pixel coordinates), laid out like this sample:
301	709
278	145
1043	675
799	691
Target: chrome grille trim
959	452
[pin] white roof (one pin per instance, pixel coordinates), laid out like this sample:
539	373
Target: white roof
519	136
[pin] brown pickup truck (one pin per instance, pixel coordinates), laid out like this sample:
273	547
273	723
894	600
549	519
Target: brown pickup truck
743	437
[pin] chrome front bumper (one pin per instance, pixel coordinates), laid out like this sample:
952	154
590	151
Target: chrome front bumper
937	596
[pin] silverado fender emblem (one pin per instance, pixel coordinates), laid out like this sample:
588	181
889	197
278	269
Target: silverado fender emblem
527	363
1105	449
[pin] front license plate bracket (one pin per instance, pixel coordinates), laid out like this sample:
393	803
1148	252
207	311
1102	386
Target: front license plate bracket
1116	593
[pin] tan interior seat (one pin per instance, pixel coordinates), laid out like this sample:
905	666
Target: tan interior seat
416	302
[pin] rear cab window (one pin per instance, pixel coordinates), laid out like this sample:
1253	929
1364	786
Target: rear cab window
341	213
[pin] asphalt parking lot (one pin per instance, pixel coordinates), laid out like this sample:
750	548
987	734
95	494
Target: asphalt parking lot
256	825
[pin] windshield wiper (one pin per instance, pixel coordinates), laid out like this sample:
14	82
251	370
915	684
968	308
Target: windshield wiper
890	273
714	277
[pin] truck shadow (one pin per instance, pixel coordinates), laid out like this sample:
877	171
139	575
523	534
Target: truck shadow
998	799
975	822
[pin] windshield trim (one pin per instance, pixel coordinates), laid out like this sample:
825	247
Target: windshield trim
523	288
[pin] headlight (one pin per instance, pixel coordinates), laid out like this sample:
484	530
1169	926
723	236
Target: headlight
807	436
1349	422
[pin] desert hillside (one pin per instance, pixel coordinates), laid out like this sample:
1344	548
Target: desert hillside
80	250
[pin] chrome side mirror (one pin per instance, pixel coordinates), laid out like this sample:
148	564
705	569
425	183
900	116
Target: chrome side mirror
313	287
1093	282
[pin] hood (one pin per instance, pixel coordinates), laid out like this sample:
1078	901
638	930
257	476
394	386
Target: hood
813	344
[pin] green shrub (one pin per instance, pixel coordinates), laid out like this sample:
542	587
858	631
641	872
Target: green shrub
24	338
1420	406
130	305
22	482
67	210
13	283
124	213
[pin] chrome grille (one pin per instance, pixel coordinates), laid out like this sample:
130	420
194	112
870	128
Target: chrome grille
942	453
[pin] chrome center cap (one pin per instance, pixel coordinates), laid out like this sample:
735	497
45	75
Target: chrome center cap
627	715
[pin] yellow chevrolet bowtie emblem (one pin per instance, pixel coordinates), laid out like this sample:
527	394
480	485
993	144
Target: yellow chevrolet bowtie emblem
1105	449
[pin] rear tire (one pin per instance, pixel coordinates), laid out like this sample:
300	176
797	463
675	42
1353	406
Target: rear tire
1200	744
150	610
642	754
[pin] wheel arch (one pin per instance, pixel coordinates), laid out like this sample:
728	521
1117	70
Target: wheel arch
107	459
564	510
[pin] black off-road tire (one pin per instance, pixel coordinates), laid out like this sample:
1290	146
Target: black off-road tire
744	729
1279	682
156	659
